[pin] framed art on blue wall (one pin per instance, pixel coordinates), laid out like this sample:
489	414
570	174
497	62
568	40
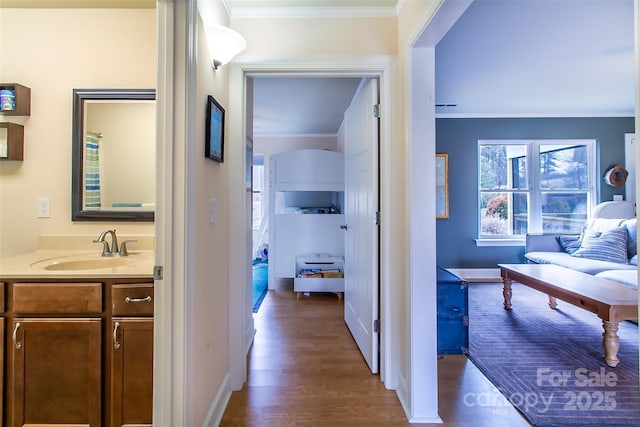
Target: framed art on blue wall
214	130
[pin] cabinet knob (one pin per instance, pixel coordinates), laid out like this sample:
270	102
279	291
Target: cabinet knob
344	227
130	300
17	344
116	344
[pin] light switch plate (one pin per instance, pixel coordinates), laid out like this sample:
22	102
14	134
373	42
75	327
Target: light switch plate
44	207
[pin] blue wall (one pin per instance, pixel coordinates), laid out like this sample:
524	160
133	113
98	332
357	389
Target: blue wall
458	138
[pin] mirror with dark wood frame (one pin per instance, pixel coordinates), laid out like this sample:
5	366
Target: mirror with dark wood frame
113	159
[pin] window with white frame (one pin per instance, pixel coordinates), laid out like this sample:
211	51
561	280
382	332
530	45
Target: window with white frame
534	186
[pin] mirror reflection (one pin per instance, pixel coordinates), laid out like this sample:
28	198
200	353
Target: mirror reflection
113	155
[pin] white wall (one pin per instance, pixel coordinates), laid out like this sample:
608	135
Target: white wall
53	51
207	296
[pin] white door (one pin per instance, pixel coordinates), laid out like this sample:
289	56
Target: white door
630	165
361	205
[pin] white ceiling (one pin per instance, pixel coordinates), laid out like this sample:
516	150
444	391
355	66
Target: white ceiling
502	58
524	57
301	105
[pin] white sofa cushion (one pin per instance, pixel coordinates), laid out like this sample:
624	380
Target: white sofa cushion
626	277
586	265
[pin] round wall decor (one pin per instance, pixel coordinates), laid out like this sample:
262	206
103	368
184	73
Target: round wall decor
616	176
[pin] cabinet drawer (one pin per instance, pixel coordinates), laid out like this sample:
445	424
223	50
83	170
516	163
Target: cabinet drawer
76	298
318	285
135	299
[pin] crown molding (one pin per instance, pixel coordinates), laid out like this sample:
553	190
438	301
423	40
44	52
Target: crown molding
78	4
316	12
532	115
351	11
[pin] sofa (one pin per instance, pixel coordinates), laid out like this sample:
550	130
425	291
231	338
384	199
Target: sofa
606	248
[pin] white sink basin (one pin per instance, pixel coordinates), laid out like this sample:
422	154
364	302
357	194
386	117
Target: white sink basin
81	262
86	264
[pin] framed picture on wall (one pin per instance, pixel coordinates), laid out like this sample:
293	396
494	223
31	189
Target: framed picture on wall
214	131
442	186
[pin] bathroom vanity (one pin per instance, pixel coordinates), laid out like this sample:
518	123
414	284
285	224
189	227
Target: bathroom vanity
78	340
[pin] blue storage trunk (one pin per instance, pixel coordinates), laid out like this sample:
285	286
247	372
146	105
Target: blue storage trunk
453	313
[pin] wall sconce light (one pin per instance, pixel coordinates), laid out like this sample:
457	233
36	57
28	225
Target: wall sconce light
224	44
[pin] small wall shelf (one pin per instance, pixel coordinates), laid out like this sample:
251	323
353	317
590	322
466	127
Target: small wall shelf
11	141
22	99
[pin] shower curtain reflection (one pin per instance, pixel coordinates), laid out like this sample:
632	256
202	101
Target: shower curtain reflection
92	195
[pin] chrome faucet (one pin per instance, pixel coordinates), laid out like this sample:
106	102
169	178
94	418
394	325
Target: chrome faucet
123	247
106	251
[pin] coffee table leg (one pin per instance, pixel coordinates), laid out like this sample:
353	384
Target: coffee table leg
506	292
610	342
552	302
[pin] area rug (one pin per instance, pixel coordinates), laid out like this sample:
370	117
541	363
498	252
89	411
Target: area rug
260	282
548	363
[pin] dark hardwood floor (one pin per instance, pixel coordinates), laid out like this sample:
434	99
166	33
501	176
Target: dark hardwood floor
304	369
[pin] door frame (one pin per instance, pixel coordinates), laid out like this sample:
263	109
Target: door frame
241	328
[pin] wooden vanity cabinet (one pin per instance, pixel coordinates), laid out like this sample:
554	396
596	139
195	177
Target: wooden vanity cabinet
2	328
132	355
61	366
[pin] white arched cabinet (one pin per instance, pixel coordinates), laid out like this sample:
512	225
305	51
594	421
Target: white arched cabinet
306	199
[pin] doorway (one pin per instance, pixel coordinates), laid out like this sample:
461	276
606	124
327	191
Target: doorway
304	116
241	85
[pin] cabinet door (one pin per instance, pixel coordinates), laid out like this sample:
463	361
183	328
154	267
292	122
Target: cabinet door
2	322
55	372
132	371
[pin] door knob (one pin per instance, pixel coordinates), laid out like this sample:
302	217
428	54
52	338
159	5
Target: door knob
343	227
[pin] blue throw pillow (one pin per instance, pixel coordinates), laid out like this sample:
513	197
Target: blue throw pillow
569	244
632	236
609	246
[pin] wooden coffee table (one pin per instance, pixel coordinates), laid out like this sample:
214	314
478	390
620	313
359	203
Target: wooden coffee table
611	301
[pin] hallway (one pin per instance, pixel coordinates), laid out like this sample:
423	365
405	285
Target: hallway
304	369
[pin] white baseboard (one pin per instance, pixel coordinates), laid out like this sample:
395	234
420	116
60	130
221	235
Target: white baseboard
403	396
219	404
477	275
249	335
434	420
